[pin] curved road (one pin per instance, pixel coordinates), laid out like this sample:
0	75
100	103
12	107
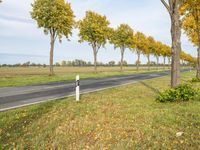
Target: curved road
15	97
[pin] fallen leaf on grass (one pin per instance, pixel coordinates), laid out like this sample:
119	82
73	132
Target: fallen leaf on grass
178	134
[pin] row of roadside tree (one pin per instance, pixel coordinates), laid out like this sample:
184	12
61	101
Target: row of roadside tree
57	19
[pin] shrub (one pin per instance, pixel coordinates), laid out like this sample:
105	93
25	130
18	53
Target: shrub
184	92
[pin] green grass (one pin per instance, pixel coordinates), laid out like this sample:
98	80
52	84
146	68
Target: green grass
126	117
33	75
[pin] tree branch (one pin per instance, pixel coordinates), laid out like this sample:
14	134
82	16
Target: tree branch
98	47
56	36
166	6
51	32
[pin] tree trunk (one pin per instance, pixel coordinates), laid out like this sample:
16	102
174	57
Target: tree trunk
183	65
169	62
164	63
173	8
148	58
122	59
157	57
95	58
176	45
197	22
198	57
51	55
138	60
198	63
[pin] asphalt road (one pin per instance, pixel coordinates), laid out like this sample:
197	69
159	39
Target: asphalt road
15	97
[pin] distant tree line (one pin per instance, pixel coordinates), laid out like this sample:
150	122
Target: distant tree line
82	63
26	64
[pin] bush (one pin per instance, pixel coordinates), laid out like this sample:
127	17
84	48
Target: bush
184	92
196	79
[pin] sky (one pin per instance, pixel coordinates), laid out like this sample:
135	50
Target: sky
21	40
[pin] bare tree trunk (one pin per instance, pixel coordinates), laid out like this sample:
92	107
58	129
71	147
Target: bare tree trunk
198	57
148	58
176	46
173	8
138	60
122	59
51	55
169	62
157	57
197	22
164	63
198	63
182	66
95	58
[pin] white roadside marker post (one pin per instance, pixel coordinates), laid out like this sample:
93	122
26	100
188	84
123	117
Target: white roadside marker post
77	88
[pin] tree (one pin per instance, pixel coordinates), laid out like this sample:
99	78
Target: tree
159	48
124	63
57	64
111	63
122	38
148	49
57	19
191	24
166	53
137	63
173	7
63	63
138	46
94	29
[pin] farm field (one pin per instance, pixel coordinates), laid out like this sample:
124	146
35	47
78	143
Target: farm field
33	75
126	117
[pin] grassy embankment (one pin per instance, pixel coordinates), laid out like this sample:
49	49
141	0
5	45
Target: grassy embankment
33	75
126	117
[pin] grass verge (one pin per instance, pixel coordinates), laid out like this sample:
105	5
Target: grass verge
126	117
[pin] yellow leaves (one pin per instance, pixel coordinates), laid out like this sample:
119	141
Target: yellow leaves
94	29
15	148
54	15
191	19
123	37
183	9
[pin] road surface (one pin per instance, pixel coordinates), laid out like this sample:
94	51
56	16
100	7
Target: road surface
15	97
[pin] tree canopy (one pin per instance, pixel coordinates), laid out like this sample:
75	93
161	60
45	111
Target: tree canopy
122	37
55	16
139	41
190	11
94	29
